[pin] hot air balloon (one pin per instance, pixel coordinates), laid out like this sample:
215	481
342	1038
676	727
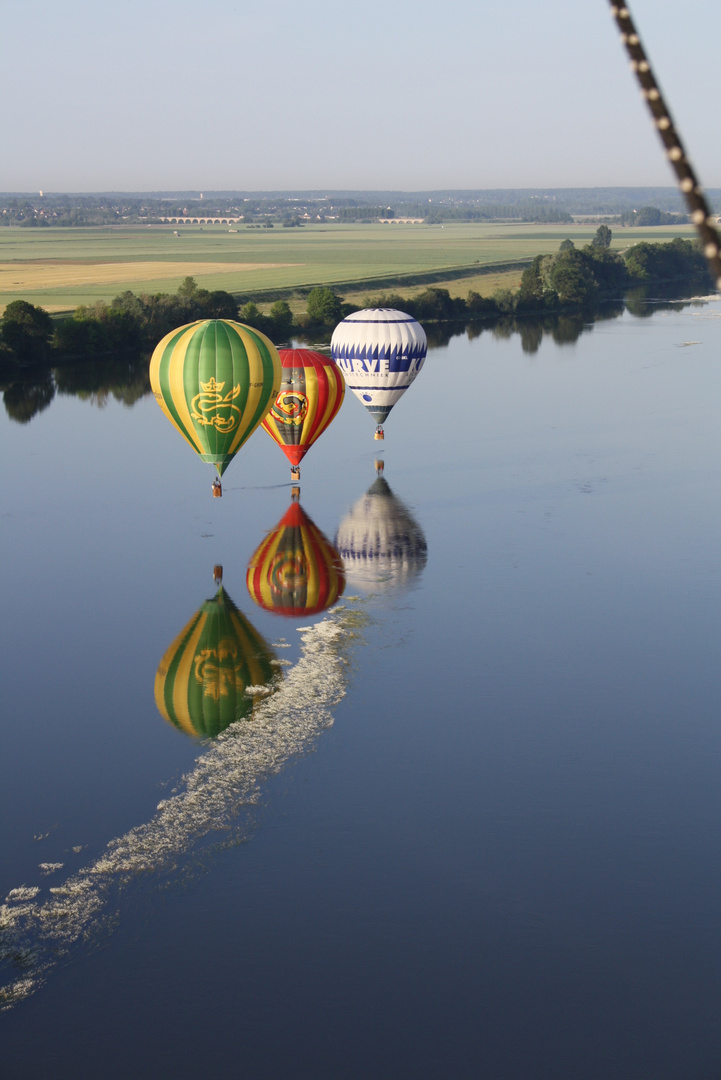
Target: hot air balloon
215	380
380	351
216	671
296	571
311	393
380	542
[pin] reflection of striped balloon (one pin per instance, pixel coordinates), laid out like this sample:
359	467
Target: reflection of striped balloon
295	571
201	682
380	542
311	393
214	380
380	351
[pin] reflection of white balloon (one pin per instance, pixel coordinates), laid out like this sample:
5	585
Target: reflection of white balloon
380	351
381	544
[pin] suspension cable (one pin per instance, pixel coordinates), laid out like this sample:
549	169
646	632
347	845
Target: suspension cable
687	180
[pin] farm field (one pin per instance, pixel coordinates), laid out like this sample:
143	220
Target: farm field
61	268
483	283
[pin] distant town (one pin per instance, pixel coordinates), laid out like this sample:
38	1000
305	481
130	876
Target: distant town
612	206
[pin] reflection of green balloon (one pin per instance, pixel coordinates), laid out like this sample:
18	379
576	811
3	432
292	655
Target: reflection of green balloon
202	684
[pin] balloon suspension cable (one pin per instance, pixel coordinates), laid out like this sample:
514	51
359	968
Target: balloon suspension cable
687	179
254	487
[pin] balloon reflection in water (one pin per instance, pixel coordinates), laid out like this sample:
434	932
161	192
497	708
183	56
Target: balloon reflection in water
216	671
296	571
210	809
380	542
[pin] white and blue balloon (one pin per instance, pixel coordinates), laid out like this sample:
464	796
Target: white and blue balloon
380	351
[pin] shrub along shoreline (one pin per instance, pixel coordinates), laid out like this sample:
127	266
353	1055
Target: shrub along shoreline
571	280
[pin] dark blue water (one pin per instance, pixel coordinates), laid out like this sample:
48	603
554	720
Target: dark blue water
475	831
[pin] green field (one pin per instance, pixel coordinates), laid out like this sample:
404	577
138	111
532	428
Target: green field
61	268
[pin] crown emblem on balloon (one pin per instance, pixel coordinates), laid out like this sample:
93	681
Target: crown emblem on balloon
205	406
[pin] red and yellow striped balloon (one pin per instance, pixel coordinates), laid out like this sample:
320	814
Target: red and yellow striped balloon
296	571
311	393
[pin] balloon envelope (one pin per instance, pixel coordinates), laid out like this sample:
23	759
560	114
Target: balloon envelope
380	351
215	380
296	571
311	393
380	542
203	681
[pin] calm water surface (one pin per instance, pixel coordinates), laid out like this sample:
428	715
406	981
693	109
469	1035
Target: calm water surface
473	829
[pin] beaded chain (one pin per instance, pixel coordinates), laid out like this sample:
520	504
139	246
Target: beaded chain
687	179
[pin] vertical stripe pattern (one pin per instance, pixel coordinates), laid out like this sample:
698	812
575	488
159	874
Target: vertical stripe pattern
215	380
296	571
202	681
310	395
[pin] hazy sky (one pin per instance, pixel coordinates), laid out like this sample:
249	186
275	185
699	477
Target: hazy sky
146	95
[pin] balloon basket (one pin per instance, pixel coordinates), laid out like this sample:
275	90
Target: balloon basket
379	434
218	574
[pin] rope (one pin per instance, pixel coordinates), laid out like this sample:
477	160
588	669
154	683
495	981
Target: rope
687	180
260	487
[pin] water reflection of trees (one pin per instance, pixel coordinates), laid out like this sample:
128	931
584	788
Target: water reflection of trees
643	300
124	378
26	393
531	336
563	328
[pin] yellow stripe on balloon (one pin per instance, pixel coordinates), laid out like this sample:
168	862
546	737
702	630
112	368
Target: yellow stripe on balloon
255	380
182	679
160	676
155	362
265	589
314	575
311	393
177	387
333	387
257	670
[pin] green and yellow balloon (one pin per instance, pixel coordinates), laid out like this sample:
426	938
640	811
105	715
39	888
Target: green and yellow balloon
216	671
215	380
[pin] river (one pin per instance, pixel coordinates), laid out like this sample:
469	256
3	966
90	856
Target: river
465	820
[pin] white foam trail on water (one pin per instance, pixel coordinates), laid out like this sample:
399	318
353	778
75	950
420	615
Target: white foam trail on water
38	931
22	893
